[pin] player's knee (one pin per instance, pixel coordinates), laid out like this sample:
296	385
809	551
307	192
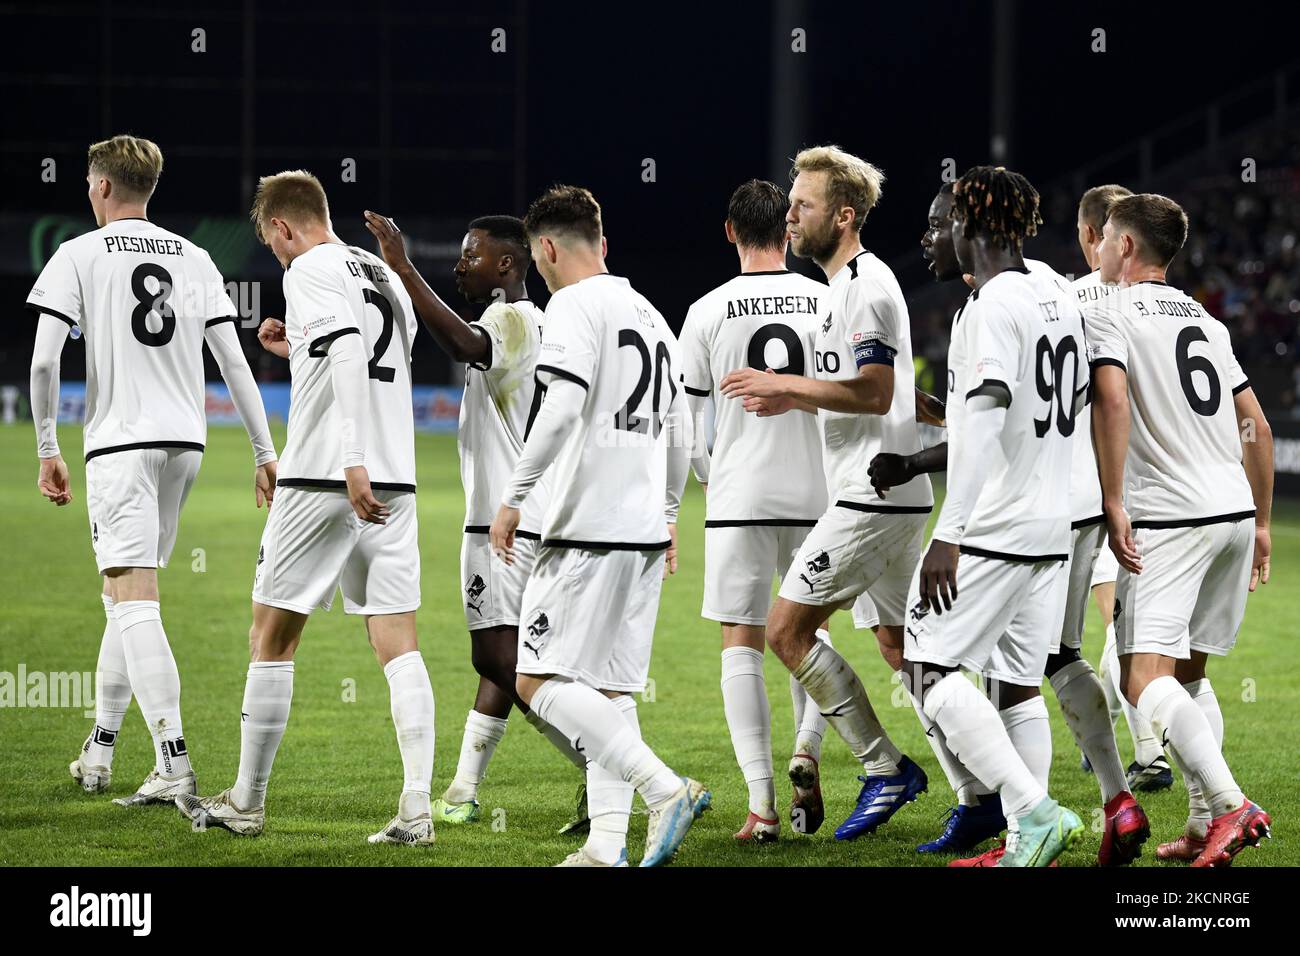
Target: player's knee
1066	655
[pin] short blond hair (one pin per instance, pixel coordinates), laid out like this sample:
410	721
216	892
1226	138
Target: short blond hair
850	181
130	163
294	194
1094	206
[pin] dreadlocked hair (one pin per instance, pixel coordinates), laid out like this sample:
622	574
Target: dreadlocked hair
999	203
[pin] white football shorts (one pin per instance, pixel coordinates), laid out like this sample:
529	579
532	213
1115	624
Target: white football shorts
314	544
493	590
849	552
590	616
134	499
1000	625
740	563
1191	594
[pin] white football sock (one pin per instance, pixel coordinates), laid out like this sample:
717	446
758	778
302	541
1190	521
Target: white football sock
977	738
809	724
1031	734
1198	811
1179	720
482	734
961	780
155	681
609	799
1146	746
598	729
1082	697
410	698
842	700
112	692
268	692
558	740
1109	675
744	701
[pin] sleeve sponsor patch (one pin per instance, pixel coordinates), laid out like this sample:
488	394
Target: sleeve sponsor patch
873	352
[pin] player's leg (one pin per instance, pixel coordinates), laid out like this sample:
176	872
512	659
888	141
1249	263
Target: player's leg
142	526
979	632
93	768
410	694
1193	588
305	544
587	615
738	567
609	803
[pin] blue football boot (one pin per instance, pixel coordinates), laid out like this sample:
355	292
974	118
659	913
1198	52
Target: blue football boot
881	798
967	827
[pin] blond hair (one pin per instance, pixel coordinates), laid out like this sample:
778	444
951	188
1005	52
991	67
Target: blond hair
850	181
1094	205
130	163
293	194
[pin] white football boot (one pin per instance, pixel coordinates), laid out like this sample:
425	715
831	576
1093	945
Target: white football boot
581	857
92	779
218	811
159	789
417	832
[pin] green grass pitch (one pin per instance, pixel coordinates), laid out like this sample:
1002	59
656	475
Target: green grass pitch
338	773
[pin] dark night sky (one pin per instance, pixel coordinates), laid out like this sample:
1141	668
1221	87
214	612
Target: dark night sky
903	84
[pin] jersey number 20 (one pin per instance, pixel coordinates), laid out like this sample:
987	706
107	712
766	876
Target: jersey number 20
625	418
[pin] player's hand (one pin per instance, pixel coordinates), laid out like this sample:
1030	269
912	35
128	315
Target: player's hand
271	335
368	508
391	244
52	480
1259	564
264	484
888	470
670	559
502	533
1119	532
930	410
939	575
751	383
767	407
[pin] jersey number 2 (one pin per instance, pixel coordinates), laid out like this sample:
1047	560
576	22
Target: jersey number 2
625	418
384	373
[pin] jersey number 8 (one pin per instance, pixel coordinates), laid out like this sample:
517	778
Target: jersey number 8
155	302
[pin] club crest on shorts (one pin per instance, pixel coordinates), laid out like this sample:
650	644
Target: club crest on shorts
919	610
537	631
826	326
473	590
819	563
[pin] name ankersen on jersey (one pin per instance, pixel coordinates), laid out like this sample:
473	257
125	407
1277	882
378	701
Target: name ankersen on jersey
158	247
364	270
772	305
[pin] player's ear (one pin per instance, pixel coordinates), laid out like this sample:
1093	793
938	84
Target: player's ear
731	232
505	263
604	247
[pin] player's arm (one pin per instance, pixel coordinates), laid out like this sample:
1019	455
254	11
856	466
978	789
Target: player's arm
223	341
462	341
559	414
701	461
870	392
52	480
350	380
888	470
1257	458
680	434
1111	420
930	410
986	415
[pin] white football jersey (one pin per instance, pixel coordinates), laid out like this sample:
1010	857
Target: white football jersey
333	290
866	322
1184	452
611	476
1024	331
142	297
764	471
1085	487
500	402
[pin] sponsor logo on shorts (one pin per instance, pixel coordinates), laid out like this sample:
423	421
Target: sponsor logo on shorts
820	563
473	591
826	326
1118	610
94	532
537	632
